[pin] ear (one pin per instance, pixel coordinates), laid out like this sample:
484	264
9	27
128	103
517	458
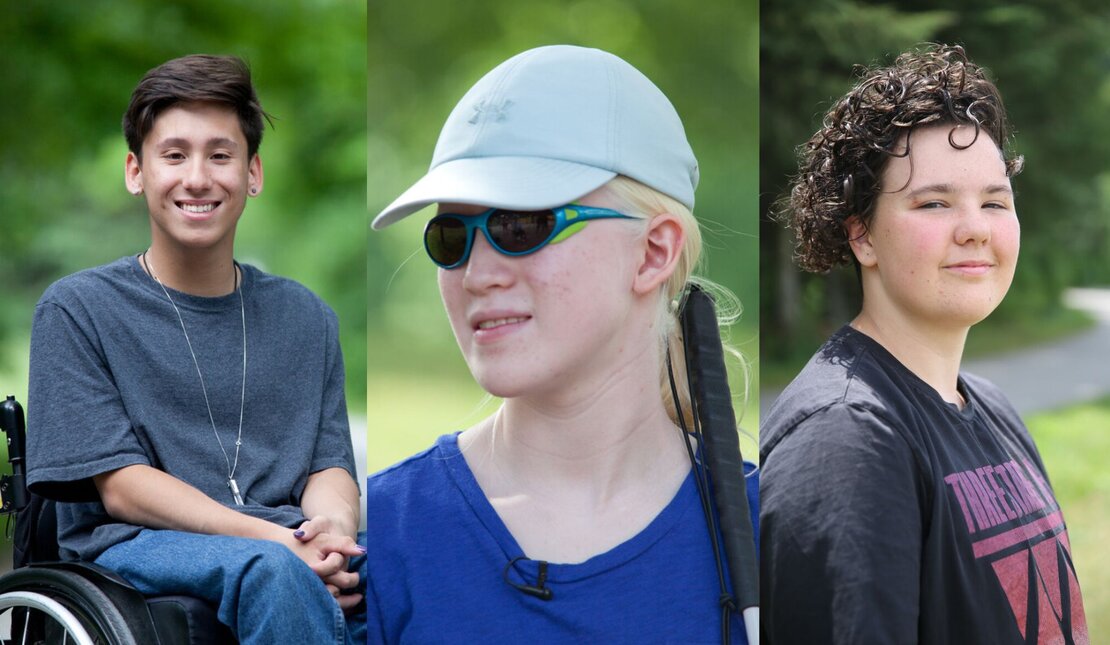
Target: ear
859	238
662	248
254	176
133	174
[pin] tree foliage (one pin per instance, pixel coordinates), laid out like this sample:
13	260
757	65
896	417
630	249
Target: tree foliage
68	70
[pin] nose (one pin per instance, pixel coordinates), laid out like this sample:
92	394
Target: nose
974	226
197	176
486	268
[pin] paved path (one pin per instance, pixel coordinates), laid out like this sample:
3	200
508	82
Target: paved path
1060	373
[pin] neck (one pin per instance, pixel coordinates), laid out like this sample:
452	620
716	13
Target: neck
591	443
932	353
207	272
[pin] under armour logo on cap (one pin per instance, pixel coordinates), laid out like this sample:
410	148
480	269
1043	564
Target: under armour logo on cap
548	126
486	110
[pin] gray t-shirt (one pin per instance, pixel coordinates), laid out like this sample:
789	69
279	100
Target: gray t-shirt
113	384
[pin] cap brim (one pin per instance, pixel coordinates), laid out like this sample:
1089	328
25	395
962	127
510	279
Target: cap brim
497	182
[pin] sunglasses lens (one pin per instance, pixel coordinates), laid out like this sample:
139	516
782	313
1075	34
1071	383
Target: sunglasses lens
520	231
445	240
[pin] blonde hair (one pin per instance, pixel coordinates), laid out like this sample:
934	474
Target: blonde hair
650	203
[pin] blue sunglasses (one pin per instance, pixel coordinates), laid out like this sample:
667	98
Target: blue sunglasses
448	237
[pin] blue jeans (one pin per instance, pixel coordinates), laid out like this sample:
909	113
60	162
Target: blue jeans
265	593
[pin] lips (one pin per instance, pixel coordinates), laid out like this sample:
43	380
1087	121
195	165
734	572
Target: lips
971	267
197	209
498	322
491	325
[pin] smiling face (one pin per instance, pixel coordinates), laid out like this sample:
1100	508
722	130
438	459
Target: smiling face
557	317
196	175
941	248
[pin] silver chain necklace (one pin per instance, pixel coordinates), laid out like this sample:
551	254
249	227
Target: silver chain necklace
231	466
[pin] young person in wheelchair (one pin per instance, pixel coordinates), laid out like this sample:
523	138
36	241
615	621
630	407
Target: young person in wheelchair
187	410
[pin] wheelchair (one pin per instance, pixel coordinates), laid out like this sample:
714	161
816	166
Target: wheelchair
47	601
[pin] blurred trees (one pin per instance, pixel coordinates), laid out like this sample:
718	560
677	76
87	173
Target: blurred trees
68	70
1051	61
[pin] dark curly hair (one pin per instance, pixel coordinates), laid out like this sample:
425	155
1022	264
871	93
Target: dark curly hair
840	167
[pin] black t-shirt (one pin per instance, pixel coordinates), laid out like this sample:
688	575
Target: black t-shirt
891	516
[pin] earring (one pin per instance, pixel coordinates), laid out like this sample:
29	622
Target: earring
254	191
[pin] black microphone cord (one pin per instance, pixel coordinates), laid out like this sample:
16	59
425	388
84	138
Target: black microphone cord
538	590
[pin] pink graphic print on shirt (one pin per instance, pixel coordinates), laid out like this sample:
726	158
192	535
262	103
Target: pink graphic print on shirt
1015	524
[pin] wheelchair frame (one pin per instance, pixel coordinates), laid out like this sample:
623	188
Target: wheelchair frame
49	601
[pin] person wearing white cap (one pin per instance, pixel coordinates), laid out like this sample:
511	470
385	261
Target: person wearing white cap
564	233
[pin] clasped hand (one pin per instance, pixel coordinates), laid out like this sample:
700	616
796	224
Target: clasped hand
328	554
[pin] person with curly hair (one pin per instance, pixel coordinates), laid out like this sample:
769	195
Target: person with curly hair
904	501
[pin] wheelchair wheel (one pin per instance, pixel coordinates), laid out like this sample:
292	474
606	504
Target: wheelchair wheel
44	606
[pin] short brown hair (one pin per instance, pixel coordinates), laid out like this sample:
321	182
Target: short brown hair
839	168
218	79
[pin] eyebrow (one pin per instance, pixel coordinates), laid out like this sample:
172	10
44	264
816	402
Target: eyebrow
993	189
214	142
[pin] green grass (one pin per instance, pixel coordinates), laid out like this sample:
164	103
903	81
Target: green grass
406	412
1074	443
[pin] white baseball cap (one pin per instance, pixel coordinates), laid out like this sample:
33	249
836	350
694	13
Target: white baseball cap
548	126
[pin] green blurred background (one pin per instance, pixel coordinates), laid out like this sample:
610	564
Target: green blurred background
322	66
422	57
1051	61
67	73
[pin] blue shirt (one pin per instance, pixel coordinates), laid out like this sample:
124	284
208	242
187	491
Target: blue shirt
438	552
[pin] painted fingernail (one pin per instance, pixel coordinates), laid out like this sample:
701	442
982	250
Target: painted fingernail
361	548
298	533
